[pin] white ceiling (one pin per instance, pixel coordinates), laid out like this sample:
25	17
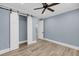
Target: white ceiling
28	8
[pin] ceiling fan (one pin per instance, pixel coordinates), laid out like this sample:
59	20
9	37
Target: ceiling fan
46	6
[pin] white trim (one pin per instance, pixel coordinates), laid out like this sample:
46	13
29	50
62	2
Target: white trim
63	44
31	42
22	41
4	51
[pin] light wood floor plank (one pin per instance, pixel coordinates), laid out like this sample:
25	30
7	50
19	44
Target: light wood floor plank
42	48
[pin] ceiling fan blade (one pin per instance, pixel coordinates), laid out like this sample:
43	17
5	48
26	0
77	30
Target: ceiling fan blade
43	10
38	8
50	9
53	4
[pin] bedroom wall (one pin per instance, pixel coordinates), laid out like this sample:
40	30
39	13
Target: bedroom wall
4	29
63	28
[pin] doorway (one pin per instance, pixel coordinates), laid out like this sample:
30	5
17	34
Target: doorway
22	29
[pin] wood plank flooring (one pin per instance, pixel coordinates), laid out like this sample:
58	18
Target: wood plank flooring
42	48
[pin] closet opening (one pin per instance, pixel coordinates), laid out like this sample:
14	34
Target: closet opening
22	30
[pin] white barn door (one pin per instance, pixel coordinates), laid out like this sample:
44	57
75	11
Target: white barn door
40	29
14	31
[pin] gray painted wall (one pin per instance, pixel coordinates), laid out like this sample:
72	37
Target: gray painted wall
4	29
22	28
34	24
63	28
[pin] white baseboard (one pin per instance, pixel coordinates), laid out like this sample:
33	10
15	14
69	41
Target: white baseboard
4	51
63	44
31	42
22	42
